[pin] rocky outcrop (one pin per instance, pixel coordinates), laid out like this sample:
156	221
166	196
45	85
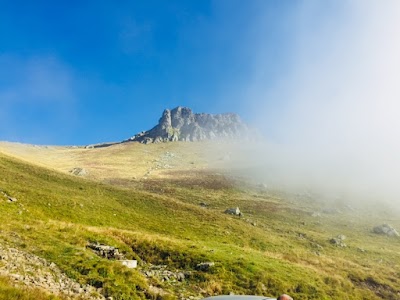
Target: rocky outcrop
78	171
385	229
181	124
105	251
338	241
233	211
33	271
113	253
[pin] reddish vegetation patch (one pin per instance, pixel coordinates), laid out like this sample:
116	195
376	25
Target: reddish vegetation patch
263	207
204	179
127	183
383	291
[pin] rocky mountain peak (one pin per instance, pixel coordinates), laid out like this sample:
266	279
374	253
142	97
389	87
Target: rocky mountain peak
181	124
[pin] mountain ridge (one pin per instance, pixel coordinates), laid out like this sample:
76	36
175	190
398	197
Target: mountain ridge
181	124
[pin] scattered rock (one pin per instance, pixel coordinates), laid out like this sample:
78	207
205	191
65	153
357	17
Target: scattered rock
180	276
203	204
131	264
36	272
316	245
262	185
338	241
8	197
233	211
164	161
385	229
205	266
106	251
163	274
78	172
301	235
11	199
251	222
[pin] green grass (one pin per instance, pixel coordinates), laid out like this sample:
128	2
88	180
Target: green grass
10	292
160	221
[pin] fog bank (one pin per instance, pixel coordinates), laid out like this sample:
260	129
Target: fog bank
332	120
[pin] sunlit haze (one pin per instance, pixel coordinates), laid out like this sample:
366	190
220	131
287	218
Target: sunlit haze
319	79
332	118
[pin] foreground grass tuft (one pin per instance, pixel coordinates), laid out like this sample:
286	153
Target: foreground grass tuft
10	292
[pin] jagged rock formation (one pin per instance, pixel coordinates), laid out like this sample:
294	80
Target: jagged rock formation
181	124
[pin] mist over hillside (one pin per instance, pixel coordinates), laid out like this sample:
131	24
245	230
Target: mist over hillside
336	129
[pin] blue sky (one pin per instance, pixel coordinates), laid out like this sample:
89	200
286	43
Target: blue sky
319	78
79	72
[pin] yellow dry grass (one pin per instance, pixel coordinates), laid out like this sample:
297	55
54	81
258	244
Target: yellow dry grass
128	161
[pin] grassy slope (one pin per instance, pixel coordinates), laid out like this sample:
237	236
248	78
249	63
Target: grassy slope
126	161
160	221
8	292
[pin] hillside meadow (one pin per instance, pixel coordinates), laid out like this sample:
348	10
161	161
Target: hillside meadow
163	205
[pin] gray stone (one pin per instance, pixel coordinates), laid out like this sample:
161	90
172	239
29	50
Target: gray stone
180	276
131	264
33	271
233	211
385	229
78	171
205	266
181	124
11	199
338	241
106	251
8	197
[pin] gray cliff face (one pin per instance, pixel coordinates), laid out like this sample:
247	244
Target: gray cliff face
181	124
